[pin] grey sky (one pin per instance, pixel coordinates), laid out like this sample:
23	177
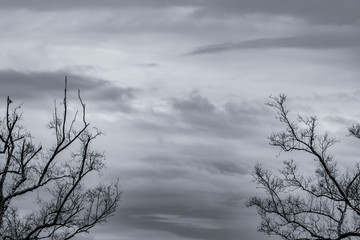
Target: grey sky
315	42
179	89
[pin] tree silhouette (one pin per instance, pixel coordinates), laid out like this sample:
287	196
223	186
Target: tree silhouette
53	179
323	204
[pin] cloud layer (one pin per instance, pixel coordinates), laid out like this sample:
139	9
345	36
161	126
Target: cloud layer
179	89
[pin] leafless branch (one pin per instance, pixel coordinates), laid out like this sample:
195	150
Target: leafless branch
68	206
322	205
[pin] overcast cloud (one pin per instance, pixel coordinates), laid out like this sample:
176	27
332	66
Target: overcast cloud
317	42
179	89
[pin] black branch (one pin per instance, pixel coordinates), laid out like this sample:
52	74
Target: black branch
322	205
54	178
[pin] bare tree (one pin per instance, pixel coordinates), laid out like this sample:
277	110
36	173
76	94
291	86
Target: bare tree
51	180
324	204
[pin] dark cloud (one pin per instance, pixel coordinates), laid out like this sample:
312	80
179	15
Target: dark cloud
43	5
315	11
228	167
183	186
229	120
148	65
195	104
187	230
306	41
186	214
185	164
36	86
184	211
213	158
163	226
196	115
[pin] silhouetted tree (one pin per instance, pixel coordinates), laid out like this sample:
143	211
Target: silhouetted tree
51	180
324	204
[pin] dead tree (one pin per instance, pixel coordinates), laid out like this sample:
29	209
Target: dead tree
52	179
323	204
